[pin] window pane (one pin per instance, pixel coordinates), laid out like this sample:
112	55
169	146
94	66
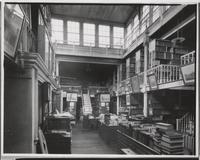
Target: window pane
73	32
145	18
135	27
88	34
155	13
57	30
104	36
128	36
118	37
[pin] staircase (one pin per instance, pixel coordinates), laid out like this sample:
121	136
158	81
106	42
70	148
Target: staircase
87	107
186	126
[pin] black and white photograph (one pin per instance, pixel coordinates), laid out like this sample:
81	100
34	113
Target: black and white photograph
100	80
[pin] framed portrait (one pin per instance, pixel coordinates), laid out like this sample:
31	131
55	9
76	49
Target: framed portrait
188	73
105	98
152	81
13	23
135	84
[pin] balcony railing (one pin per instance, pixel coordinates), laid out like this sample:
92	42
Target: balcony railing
64	48
88	40
166	73
188	58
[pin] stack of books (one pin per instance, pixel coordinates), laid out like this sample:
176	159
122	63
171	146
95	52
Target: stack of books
172	143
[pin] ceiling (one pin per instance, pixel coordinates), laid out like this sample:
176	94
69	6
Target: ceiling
112	13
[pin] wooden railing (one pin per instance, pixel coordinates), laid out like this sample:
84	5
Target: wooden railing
166	73
163	73
185	125
188	58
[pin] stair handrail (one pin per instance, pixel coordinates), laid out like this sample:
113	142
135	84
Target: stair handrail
179	123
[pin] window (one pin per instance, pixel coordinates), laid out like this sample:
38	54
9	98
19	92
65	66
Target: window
156	13
118	37
136	27
145	18
88	34
73	32
128	36
57	30
104	36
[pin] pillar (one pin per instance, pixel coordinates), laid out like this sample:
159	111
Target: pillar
57	68
145	95
111	36
96	35
65	31
118	82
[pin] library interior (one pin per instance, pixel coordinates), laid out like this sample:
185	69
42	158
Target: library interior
99	79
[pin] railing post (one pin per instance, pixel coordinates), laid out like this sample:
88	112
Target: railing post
160	70
177	124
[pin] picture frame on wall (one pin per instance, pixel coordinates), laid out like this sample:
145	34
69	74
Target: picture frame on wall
135	83
105	97
72	97
152	80
188	74
13	22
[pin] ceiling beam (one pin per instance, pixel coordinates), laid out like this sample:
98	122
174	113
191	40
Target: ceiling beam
94	60
179	26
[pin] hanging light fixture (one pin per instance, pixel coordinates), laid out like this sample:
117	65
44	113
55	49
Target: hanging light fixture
179	39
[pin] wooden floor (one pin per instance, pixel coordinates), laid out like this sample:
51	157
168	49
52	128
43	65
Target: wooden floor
87	141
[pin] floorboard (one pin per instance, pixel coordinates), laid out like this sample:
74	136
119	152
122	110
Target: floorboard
87	141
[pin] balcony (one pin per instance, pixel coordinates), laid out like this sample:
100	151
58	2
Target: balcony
188	58
166	73
166	76
88	47
87	51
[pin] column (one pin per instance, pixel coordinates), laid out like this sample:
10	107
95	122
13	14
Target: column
127	68
96	35
111	36
145	95
57	72
118	82
65	31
